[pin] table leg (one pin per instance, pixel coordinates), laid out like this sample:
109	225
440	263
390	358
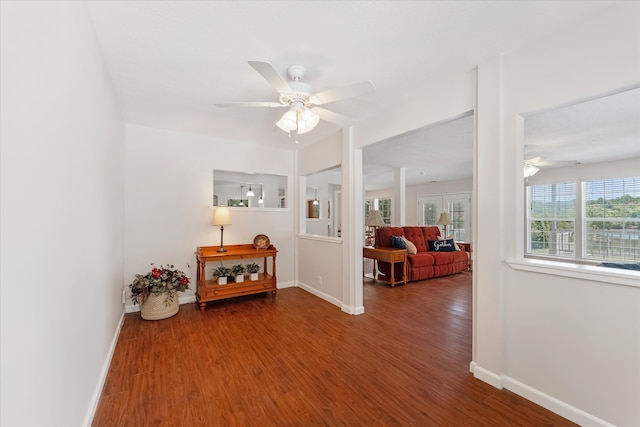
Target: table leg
393	271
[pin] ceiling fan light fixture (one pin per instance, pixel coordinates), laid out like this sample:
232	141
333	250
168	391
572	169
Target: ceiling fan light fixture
298	118
530	170
307	120
288	121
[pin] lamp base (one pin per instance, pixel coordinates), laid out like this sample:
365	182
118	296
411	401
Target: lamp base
221	250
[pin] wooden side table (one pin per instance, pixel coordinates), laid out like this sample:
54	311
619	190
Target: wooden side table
209	290
469	249
390	255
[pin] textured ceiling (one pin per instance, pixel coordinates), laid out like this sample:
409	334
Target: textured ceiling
170	62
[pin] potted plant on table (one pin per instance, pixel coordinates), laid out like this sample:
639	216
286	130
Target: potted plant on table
253	269
156	291
238	273
221	273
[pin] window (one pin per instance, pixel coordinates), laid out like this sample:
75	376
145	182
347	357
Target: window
383	205
612	219
456	205
600	222
429	209
552	219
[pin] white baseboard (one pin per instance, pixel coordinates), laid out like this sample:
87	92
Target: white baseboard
286	285
320	294
134	308
352	310
487	376
95	399
561	408
554	405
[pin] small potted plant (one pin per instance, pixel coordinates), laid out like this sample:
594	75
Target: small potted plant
253	269
238	272
156	291
221	273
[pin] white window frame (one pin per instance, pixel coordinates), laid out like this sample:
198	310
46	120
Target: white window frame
444	203
580	233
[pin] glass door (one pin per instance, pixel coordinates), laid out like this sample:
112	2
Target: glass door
458	206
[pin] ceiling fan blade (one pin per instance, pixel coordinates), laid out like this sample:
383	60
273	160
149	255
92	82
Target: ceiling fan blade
333	117
535	160
269	73
251	104
332	95
557	163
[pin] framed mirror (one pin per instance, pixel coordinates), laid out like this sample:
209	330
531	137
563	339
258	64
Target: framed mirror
249	190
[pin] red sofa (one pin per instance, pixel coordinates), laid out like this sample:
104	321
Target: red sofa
424	264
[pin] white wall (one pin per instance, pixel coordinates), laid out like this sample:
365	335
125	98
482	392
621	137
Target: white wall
319	256
169	187
592	171
324	185
321	267
62	142
429	189
571	344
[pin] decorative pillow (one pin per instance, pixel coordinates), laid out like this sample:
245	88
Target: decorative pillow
411	248
397	242
454	243
446	245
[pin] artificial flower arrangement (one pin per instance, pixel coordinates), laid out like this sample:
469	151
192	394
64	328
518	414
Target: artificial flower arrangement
164	280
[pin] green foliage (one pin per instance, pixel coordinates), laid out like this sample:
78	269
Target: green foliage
607	214
164	280
252	268
221	271
237	269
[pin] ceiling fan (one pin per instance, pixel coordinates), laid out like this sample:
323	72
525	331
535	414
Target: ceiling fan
303	114
532	166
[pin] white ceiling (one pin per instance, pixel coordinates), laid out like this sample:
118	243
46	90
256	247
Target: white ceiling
597	130
170	62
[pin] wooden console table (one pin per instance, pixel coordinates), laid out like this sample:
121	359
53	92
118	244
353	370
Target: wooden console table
209	290
391	256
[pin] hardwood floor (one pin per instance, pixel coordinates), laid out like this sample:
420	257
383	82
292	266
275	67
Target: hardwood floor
297	360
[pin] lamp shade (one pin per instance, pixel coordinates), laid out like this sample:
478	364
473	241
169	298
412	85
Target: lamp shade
374	219
288	121
307	120
530	170
221	216
298	118
444	219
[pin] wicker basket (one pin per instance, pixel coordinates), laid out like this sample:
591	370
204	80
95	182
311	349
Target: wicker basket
155	307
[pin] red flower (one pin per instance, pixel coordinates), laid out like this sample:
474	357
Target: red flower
184	280
156	272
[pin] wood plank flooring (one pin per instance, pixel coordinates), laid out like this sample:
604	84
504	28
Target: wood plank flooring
296	360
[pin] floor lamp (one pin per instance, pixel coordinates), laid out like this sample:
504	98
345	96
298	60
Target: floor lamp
221	217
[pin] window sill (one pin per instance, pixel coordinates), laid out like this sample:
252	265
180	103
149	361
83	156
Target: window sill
587	272
320	238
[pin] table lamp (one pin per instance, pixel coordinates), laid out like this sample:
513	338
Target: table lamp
374	220
221	217
444	220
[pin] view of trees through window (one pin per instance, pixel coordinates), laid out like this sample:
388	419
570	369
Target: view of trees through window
552	213
604	226
383	205
612	218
